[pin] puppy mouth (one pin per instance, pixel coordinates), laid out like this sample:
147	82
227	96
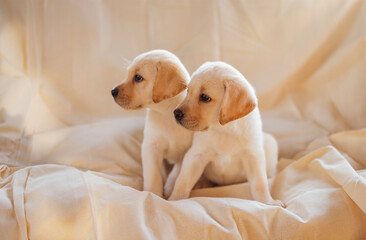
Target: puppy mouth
127	107
124	102
191	125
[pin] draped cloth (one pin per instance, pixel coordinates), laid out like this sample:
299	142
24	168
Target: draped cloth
70	164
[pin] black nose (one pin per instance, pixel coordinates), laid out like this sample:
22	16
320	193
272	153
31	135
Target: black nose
114	92
178	114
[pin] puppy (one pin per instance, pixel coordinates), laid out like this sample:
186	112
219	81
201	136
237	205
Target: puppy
229	145
157	80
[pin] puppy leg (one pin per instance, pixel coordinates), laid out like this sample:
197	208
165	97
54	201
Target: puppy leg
271	150
256	173
193	165
173	175
152	162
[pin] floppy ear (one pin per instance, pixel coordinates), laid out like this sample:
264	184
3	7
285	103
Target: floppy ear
239	100
169	81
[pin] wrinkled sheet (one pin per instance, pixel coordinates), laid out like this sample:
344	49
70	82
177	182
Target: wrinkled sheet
70	164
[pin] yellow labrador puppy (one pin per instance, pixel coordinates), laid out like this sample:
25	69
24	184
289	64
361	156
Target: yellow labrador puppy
156	80
229	146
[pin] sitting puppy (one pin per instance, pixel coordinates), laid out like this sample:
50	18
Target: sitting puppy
156	80
230	145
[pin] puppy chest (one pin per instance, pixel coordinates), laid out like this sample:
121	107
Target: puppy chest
226	169
176	149
227	147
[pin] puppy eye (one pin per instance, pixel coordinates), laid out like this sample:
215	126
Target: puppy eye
205	98
138	78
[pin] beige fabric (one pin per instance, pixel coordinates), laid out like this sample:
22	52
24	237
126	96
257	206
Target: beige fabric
70	157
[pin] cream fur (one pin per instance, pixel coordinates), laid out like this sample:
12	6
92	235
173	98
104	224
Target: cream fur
163	137
230	153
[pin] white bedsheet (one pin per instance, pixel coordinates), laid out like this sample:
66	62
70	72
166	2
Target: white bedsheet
70	164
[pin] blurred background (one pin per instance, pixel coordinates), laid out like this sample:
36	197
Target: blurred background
60	59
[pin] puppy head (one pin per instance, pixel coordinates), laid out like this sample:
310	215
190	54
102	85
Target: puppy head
152	77
217	93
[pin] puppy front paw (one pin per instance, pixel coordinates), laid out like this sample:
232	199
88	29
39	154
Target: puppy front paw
276	203
179	196
158	192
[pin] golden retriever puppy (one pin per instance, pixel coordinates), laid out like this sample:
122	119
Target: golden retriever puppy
157	80
229	145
